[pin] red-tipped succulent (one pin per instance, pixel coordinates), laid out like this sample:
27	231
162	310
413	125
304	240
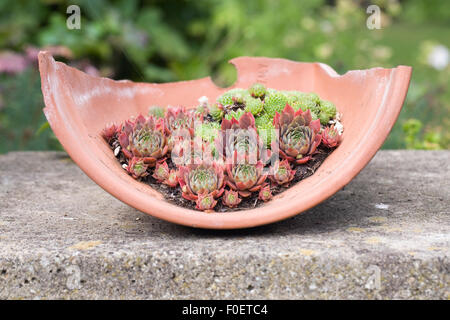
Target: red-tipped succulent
240	137
144	138
180	118
137	168
331	137
245	178
172	179
163	174
109	132
205	202
196	179
298	137
192	151
281	173
180	124
265	194
231	198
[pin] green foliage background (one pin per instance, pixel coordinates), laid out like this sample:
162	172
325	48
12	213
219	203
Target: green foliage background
167	40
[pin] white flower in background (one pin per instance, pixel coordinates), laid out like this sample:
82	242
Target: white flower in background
203	100
439	58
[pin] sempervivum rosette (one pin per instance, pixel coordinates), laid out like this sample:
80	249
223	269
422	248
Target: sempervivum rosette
298	137
245	178
180	124
144	138
240	138
281	173
137	168
204	178
331	137
231	198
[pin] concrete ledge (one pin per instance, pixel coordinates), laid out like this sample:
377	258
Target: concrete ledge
385	235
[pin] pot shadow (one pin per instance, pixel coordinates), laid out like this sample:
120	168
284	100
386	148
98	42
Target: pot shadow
351	206
337	213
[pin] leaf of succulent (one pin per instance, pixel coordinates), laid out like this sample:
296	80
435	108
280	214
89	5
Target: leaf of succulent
265	194
137	168
299	135
231	199
331	137
196	179
109	132
245	178
144	138
281	173
205	202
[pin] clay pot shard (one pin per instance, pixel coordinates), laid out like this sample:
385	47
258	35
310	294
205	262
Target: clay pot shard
80	106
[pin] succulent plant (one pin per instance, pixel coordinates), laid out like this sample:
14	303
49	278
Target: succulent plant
245	178
314	96
234	114
137	168
265	194
253	105
240	139
226	99
190	151
207	131
205	202
109	132
265	128
257	90
196	179
330	137
161	171
281	173
275	102
216	111
299	135
201	110
156	111
305	102
327	111
163	174
144	138
178	118
180	124
231	198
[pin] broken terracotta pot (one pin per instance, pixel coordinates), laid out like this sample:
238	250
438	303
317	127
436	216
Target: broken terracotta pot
79	106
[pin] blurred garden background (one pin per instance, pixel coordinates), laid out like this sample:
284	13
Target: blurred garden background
168	40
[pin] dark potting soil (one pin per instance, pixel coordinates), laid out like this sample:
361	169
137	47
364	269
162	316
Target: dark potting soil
173	195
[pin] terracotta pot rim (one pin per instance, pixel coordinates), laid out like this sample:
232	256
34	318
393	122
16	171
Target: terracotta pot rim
67	131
